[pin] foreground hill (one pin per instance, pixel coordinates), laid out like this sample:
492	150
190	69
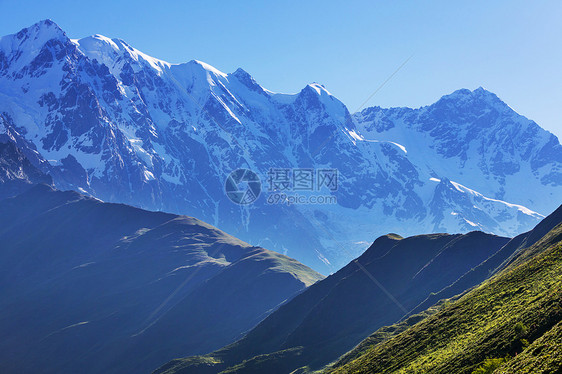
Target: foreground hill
94	287
393	276
501	259
510	323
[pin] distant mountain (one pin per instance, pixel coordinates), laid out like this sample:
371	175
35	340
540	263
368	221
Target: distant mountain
511	323
94	287
17	173
105	119
477	140
332	316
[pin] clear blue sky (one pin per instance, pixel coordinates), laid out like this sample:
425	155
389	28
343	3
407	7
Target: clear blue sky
513	48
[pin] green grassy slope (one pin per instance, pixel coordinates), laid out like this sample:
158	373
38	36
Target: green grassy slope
521	304
542	357
498	261
383	334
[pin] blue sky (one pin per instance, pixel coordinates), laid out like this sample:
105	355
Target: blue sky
512	48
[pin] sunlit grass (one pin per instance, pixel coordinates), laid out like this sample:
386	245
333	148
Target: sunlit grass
497	319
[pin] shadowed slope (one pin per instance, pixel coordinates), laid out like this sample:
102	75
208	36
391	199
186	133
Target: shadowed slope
87	286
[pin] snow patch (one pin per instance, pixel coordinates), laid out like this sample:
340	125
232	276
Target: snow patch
148	175
520	208
400	146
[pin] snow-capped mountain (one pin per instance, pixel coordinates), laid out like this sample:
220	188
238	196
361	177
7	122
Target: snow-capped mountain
123	126
474	138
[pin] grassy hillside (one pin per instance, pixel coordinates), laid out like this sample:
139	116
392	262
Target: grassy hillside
498	261
542	357
521	305
383	334
337	313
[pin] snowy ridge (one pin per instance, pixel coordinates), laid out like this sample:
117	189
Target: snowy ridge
520	208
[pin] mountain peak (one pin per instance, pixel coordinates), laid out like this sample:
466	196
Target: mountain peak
315	91
32	38
244	77
239	73
44	30
45	24
379	247
207	67
109	50
318	88
469	101
247	80
479	93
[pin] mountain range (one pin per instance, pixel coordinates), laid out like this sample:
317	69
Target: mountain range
106	120
97	287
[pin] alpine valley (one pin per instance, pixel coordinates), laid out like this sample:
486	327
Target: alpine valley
102	118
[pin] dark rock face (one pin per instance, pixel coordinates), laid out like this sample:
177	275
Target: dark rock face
17	173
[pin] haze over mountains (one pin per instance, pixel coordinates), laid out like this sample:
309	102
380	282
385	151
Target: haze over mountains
105	119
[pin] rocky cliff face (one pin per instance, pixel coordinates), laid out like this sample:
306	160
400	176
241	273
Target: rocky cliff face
17	173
